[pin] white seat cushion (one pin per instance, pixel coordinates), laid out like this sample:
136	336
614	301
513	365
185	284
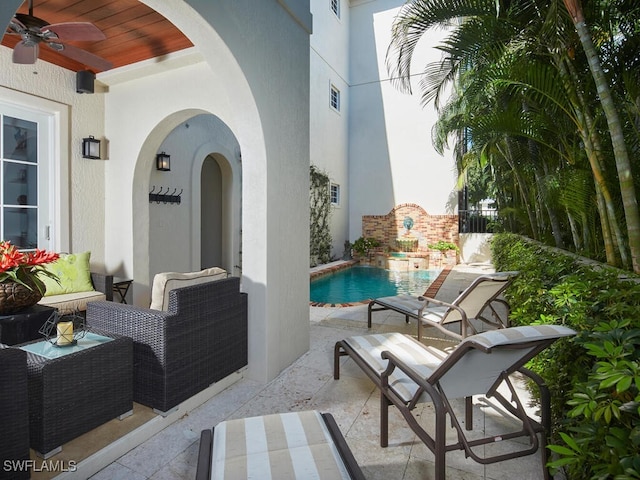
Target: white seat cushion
163	283
71	302
410	305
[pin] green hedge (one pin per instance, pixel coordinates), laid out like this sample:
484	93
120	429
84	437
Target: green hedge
594	378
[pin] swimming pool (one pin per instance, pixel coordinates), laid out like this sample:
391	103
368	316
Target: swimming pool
361	283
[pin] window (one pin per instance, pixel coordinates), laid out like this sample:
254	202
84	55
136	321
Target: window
335	194
334	98
335	7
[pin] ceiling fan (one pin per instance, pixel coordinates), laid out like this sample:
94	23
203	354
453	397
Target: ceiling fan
34	31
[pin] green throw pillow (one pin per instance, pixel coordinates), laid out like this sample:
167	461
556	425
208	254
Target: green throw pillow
72	271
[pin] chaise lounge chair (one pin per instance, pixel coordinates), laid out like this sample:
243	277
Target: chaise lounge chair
407	373
479	297
295	445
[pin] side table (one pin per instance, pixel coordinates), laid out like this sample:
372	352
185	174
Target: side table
75	389
23	326
121	287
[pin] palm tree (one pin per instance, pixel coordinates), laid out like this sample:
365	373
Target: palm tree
625	176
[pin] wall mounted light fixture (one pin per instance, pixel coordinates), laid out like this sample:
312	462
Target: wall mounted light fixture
163	162
91	148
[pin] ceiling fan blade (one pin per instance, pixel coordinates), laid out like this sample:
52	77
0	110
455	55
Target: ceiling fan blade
78	31
25	54
82	56
16	26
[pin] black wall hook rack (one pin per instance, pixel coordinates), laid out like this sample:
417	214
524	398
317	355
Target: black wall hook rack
165	197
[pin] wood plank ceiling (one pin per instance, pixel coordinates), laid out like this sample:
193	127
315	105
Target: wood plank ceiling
134	31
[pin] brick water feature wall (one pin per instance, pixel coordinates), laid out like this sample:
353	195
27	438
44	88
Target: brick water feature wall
428	229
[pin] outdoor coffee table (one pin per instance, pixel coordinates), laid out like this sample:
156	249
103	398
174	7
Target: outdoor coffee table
74	389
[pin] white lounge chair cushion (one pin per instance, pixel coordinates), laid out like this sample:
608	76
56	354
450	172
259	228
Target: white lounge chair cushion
472	374
294	445
510	336
411	305
421	358
163	283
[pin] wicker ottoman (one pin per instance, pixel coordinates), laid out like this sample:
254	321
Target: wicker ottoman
83	387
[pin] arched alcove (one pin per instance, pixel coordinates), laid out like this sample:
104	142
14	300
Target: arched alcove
173	230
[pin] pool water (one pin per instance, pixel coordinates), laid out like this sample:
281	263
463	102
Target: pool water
358	284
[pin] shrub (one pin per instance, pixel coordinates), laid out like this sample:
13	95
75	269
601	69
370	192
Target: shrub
594	379
362	246
443	246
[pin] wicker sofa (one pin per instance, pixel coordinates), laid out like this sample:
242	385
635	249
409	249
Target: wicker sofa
200	339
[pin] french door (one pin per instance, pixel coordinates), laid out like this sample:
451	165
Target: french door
25	180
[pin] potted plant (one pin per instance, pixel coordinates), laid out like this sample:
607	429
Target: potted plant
444	247
20	286
363	246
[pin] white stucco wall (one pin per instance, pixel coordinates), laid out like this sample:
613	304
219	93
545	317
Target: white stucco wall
329	139
392	160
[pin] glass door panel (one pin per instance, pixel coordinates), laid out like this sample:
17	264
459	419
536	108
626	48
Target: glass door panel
20	139
24	199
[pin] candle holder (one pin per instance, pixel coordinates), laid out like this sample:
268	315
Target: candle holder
63	330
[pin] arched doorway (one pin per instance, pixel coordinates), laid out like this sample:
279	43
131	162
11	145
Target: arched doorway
210	213
221	211
203	228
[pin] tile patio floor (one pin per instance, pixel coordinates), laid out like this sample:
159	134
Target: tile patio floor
353	400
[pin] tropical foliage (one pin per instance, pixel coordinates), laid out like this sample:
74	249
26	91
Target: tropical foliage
25	267
595	378
541	100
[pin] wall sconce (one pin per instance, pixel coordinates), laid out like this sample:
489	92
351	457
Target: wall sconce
163	162
91	148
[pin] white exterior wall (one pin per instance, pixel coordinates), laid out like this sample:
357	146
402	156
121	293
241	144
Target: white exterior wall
391	157
329	139
256	80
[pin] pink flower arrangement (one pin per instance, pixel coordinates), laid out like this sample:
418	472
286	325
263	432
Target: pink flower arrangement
24	267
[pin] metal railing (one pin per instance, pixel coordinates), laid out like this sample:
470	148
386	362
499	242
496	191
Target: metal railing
477	221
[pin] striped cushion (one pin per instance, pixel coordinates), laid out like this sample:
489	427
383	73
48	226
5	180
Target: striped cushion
295	445
421	358
514	335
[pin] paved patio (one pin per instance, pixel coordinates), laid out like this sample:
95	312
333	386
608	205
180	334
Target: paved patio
353	400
